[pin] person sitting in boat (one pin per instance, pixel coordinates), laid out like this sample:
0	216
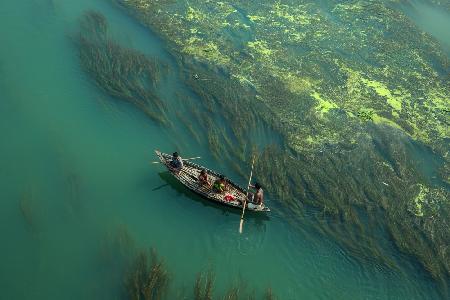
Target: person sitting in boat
203	178
256	198
220	185
176	164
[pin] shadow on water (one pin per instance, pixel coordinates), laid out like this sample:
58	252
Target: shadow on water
160	187
175	184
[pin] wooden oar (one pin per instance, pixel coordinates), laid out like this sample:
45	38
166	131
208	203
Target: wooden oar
158	162
245	202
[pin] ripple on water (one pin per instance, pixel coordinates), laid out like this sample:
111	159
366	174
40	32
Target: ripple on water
227	240
312	261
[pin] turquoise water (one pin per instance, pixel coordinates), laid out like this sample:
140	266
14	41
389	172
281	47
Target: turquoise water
75	170
432	20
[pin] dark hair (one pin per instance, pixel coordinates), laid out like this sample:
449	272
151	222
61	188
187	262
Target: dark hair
222	177
203	171
175	154
257	186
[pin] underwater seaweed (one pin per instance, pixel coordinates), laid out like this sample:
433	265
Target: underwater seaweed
145	274
147	278
204	285
121	72
346	90
27	209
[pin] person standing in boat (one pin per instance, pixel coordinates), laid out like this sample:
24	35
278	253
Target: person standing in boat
176	164
257	198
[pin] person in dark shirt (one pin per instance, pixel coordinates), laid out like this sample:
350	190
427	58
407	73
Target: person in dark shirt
176	164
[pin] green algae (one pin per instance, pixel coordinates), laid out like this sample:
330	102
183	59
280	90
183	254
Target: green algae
256	18
417	204
294	15
260	48
366	114
193	14
393	100
297	84
338	87
207	51
323	106
377	119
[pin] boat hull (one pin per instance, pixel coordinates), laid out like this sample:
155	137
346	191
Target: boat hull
234	196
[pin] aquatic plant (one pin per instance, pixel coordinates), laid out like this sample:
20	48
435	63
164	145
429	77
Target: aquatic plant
355	205
121	72
204	285
147	278
189	126
269	295
323	72
26	206
73	186
347	86
239	291
204	289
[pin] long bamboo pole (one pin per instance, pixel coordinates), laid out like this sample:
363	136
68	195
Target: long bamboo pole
241	224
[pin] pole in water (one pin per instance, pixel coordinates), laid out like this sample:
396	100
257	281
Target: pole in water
241	224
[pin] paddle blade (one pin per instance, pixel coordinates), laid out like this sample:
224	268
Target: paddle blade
241	225
191	158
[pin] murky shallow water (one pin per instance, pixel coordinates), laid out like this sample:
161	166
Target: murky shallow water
74	170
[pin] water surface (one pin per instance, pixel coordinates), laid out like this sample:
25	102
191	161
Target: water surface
74	171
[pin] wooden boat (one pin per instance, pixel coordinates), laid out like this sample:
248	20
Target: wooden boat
234	196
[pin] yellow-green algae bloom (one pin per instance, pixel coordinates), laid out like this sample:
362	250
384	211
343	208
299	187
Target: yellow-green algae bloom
323	105
260	48
193	14
419	200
